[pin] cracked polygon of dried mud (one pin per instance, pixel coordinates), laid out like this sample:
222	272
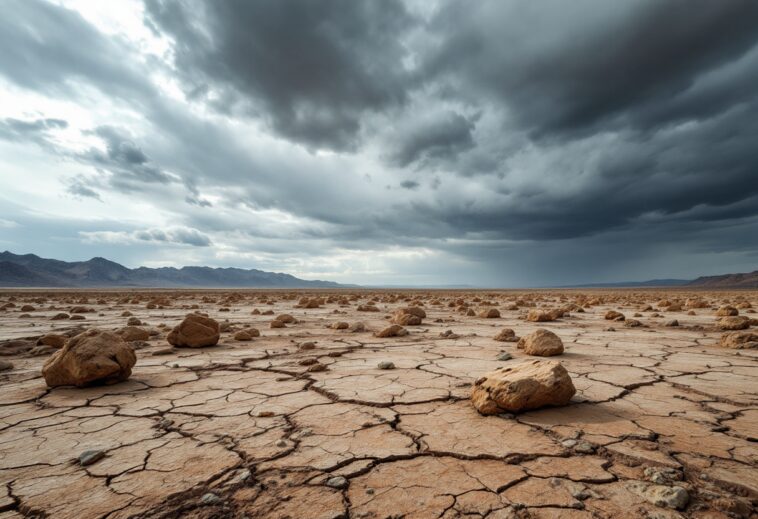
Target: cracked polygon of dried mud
301	422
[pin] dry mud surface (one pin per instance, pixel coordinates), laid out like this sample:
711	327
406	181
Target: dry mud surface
664	422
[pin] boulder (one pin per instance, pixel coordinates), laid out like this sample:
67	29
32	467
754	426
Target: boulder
411	316
542	343
539	316
506	335
92	357
414	310
727	311
739	322
392	331
529	385
403	319
490	313
195	331
613	315
340	325
739	340
243	335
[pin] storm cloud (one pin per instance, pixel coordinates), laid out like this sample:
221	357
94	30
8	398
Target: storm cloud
492	143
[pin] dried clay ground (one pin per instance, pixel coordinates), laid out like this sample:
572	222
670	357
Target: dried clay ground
250	429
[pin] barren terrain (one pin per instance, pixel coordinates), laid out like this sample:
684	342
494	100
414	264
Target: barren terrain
663	424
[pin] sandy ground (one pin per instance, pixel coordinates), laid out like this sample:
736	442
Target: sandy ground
244	429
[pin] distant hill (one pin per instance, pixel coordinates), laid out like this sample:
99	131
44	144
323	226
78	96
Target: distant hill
747	280
29	270
634	284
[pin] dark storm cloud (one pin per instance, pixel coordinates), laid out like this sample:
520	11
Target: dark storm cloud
498	127
562	67
310	69
441	137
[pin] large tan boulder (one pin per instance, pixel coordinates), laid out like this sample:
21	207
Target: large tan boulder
539	316
92	357
613	315
739	322
411	316
542	343
506	335
415	310
525	386
490	313
727	311
195	331
403	319
739	340
392	331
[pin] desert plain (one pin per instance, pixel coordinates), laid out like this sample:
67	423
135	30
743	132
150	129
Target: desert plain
315	416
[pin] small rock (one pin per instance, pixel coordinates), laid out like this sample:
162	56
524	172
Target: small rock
672	323
662	475
337	482
660	495
210	499
584	448
91	456
5	365
386	364
504	356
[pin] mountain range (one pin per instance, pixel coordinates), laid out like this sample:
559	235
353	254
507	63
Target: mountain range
29	270
731	281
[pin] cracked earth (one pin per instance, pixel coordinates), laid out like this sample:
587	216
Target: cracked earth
251	429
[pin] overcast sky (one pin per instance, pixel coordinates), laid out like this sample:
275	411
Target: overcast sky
495	143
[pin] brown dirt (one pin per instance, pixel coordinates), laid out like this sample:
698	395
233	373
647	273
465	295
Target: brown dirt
265	428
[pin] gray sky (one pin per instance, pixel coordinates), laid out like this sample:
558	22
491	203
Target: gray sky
496	143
